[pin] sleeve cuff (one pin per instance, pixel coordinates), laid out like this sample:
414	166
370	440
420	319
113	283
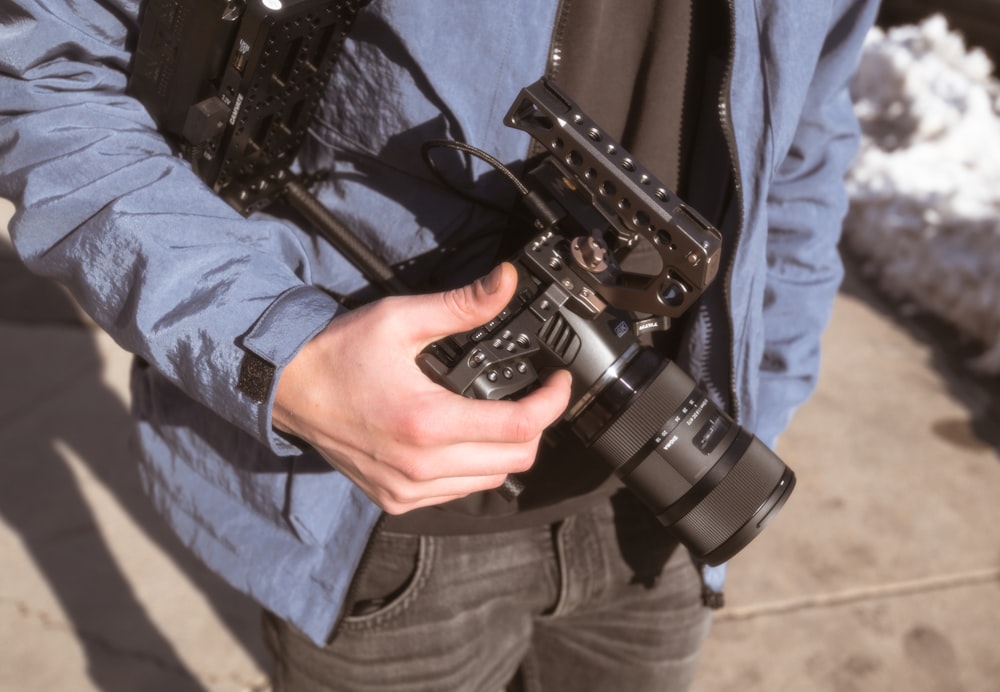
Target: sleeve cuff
295	317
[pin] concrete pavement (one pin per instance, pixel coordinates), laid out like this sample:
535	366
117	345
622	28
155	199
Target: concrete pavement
881	573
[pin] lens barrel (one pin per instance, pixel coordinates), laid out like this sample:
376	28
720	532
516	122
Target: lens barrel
714	484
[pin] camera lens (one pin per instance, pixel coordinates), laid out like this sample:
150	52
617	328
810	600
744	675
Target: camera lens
706	478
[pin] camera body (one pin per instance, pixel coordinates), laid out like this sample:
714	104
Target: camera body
579	306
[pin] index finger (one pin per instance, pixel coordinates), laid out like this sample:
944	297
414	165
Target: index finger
515	422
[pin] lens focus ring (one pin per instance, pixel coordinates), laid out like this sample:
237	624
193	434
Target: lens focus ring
645	417
734	501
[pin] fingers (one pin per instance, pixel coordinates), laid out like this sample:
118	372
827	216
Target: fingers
499	438
437	315
495	421
457	472
455	490
430	477
422	466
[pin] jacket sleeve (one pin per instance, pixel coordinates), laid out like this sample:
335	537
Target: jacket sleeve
807	202
104	206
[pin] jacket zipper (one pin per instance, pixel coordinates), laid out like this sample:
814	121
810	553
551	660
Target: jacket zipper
555	44
552	68
726	121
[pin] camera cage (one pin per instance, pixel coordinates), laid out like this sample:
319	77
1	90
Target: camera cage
635	205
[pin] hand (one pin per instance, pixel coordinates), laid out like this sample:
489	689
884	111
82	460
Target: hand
356	394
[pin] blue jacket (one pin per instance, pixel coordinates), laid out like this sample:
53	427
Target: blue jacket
179	278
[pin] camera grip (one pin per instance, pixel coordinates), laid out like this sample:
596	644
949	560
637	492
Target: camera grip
491	370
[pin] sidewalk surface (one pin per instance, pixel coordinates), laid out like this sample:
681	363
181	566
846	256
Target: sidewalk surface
881	573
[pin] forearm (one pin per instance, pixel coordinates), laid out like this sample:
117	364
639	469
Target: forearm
103	205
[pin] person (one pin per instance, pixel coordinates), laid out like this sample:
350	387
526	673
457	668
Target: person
290	439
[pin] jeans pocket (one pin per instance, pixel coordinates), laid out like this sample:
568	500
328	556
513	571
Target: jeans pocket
396	567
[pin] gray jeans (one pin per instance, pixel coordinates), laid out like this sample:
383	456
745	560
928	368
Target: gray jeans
603	600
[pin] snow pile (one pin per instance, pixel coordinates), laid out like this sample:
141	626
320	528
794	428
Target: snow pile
925	189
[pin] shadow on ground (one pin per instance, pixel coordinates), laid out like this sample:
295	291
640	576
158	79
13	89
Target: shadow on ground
42	502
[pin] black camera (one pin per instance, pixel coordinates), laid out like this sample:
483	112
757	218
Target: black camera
578	305
236	83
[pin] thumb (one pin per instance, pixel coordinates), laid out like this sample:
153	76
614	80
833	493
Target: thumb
460	309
